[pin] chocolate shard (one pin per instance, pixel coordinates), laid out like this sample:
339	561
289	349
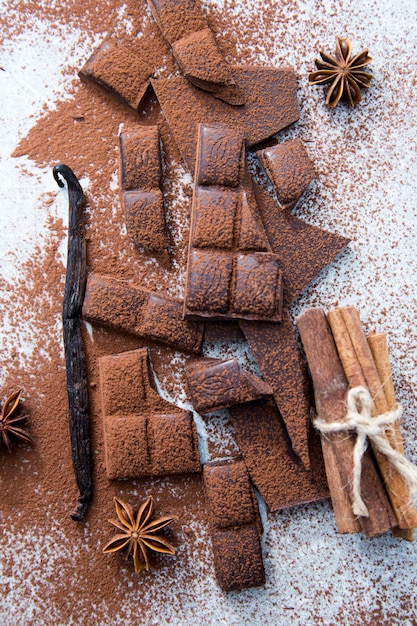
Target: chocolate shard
270	105
144	434
201	61
274	346
119	305
215	384
145	219
235	525
140	158
223	280
185	28
275	470
122	69
289	169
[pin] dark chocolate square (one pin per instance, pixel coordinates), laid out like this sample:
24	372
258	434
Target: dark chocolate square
173	443
256	284
145	219
220	156
126	446
209	277
200	58
122	382
229	494
214	218
238	558
140	158
178	18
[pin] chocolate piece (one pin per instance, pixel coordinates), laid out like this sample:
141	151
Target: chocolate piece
276	352
223	281
290	170
140	312
144	434
145	219
121	68
275	470
235	525
271	105
140	176
184	26
178	18
140	158
274	346
214	384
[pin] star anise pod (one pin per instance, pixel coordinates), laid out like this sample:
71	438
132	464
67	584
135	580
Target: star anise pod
139	534
9	420
343	73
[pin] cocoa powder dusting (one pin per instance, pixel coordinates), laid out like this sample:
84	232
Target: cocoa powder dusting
52	566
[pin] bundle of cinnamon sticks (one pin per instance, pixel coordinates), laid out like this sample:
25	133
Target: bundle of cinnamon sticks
341	357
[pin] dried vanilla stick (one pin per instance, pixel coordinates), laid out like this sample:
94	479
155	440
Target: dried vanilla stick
360	370
330	389
379	348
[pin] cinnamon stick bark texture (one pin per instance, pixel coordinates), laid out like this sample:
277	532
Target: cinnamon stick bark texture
79	421
379	347
360	369
330	389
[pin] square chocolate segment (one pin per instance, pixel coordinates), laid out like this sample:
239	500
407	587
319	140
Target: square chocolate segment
140	158
229	494
289	168
209	276
162	321
145	219
173	443
257	280
214	214
122	382
220	152
238	558
122	69
126	446
178	18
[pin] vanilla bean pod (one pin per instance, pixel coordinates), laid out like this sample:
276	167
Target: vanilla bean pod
79	422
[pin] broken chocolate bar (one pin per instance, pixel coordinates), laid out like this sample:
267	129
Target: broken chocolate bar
184	26
235	525
144	434
214	384
273	467
270	105
227	278
290	170
140	312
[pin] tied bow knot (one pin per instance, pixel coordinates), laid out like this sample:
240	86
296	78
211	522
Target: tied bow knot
359	420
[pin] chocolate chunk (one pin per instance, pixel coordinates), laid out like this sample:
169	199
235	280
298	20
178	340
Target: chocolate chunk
271	105
140	158
178	18
222	280
235	525
276	352
145	219
215	211
275	470
214	384
220	156
120	68
290	170
144	434
274	346
238	558
119	305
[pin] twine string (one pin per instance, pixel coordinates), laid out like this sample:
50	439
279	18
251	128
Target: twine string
359	420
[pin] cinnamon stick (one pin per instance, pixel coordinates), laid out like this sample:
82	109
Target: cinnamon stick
379	348
330	389
360	369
